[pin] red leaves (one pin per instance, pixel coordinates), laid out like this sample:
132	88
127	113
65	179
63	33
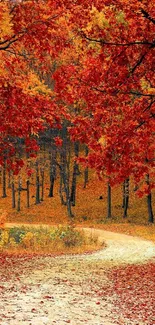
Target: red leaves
135	287
29	171
48	297
58	141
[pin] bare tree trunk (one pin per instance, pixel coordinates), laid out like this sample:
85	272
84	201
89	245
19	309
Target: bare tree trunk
37	184
9	179
86	169
4	180
149	202
13	195
19	193
75	173
109	202
123	203
66	170
28	193
51	190
61	189
52	171
126	197
42	184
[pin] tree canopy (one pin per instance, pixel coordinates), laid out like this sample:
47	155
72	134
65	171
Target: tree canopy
89	63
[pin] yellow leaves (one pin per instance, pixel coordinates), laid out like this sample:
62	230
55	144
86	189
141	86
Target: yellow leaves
4	238
98	19
33	85
146	87
28	240
12	243
144	83
102	141
121	18
151	91
5	22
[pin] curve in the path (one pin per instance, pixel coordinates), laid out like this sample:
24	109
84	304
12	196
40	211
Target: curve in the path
120	248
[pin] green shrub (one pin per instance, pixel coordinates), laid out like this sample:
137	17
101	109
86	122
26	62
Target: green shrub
17	233
69	236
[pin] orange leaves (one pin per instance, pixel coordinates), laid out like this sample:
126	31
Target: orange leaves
3	217
5	23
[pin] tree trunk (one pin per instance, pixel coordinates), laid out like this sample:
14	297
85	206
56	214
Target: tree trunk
42	185
61	189
19	192
123	203
126	197
37	190
13	195
109	202
149	202
75	173
52	172
9	179
51	190
28	193
69	209
86	169
37	185
4	180
65	169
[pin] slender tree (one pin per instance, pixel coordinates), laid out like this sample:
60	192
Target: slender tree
125	197
75	173
149	201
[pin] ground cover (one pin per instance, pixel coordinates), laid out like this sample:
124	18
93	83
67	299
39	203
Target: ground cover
40	240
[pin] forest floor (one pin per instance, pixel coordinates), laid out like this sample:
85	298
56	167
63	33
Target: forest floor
112	286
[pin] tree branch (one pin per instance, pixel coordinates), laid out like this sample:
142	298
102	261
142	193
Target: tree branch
8	45
103	42
147	16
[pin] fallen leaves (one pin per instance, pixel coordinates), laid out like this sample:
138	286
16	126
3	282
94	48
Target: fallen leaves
128	290
134	287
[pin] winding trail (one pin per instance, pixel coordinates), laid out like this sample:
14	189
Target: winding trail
70	289
122	248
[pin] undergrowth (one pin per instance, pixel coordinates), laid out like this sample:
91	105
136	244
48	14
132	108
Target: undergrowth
48	240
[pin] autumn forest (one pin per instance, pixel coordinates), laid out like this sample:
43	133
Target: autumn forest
77	149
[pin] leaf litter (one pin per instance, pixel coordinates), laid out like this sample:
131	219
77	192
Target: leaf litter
80	289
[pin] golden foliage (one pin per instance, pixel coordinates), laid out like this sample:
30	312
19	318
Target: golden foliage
5	22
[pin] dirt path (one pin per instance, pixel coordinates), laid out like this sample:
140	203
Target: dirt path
122	249
69	289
